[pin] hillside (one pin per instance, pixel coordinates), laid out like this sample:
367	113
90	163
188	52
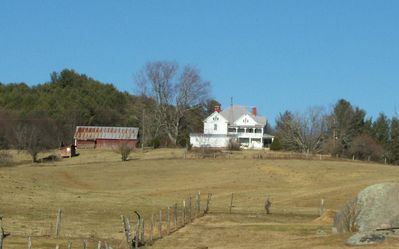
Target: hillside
94	189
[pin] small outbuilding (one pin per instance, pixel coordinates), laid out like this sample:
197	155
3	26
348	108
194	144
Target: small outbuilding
100	137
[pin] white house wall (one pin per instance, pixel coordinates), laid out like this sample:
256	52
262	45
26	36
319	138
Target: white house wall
200	141
215	124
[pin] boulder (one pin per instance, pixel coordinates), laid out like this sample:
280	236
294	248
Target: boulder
373	214
366	238
374	207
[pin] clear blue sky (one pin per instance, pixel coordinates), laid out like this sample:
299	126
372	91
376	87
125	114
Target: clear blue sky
277	55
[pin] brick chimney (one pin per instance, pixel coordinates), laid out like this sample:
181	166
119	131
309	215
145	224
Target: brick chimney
217	108
254	111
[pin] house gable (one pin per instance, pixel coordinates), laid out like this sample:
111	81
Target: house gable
215	117
245	120
215	124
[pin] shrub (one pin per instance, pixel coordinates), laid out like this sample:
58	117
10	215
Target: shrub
276	145
345	219
233	145
5	158
124	149
364	147
155	142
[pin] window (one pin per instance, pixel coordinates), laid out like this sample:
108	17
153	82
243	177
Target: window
232	129
243	140
215	127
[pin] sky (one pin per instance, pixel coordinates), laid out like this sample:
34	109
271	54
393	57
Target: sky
276	55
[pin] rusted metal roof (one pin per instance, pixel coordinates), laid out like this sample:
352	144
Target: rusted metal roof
101	132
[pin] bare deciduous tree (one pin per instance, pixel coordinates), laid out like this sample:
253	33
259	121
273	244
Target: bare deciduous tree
302	132
174	93
34	134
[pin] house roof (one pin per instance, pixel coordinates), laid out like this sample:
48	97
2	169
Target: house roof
101	132
232	113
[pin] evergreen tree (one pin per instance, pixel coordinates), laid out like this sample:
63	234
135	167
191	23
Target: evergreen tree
394	147
381	130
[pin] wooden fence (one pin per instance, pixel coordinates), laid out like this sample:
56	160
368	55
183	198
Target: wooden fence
142	231
166	222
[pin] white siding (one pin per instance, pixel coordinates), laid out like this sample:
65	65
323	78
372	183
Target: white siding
215	124
200	140
245	120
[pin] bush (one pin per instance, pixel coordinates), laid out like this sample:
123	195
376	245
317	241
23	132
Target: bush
276	145
233	145
5	158
124	149
155	142
345	219
365	148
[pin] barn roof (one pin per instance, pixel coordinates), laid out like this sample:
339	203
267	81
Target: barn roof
101	132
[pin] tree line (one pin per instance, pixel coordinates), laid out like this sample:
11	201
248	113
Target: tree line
344	131
171	103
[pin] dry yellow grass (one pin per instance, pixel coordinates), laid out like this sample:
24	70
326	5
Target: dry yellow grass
95	188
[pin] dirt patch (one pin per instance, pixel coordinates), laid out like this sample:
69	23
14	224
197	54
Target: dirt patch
326	218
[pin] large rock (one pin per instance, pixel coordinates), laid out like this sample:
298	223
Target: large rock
366	238
376	206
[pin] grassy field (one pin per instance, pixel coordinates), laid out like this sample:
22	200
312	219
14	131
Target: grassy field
95	188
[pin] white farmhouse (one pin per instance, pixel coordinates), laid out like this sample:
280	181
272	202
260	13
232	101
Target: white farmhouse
233	124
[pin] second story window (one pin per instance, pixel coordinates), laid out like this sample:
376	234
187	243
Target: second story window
215	127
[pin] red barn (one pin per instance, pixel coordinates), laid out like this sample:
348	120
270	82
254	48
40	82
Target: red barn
92	137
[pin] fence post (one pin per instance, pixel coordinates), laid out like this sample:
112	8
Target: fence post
168	221
268	204
160	225
85	244
175	216
142	238
321	210
99	245
189	210
3	235
29	243
208	201
183	211
58	223
137	234
231	202
198	204
152	228
126	229
57	246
